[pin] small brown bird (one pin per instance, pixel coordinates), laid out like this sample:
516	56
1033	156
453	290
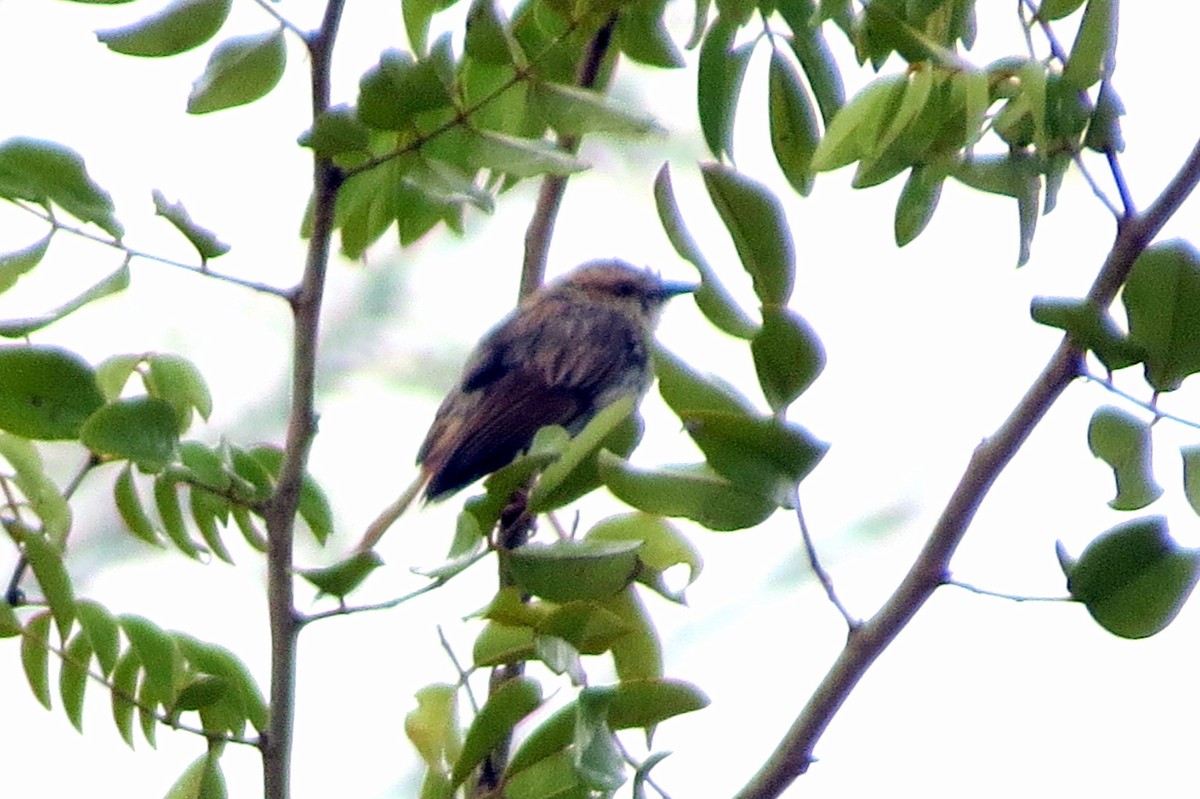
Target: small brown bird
570	349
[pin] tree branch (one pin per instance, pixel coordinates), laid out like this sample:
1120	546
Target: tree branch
794	753
550	194
280	513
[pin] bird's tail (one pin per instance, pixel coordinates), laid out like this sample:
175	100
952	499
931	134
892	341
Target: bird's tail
391	513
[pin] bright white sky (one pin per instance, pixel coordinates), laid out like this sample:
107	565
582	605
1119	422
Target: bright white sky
929	348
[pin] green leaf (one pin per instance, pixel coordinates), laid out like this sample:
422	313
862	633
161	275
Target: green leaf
488	38
337	131
1162	302
1104	127
205	465
201	780
45	559
588	628
719	85
166	499
41	494
685	389
314	505
113	373
853	127
662	547
17	263
124	684
520	158
204	240
433	726
1191	476
181	26
646	703
1134	578
642	34
176	380
1090	328
343	577
793	123
210	512
142	430
1051	10
45	172
635	704
637	655
569	570
240	70
511	702
218	661
918	200
35	656
417	14
203	691
398	88
764	455
818	63
555	776
713	300
115	283
10	625
547	493
759	229
502	643
101	629
598	759
129	505
73	677
695	492
1123	442
571	110
157	652
1091	57
788	356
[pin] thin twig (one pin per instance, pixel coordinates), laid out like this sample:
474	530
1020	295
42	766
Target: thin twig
1002	595
132	252
1102	195
283	21
1118	174
463	676
280	514
814	563
349	610
1149	406
794	754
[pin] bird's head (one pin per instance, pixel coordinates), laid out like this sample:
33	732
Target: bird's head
619	284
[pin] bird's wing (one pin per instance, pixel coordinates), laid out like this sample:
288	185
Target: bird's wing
527	374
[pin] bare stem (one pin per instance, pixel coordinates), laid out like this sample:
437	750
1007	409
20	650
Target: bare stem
280	513
814	563
550	195
1149	406
131	252
794	754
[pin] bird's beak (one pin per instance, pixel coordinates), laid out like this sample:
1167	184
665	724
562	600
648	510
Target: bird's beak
673	288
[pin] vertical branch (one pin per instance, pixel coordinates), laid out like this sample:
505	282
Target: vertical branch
929	571
541	225
280	512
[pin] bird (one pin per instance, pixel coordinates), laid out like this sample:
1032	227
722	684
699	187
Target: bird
565	353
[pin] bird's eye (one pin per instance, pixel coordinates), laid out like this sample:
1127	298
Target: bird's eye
625	289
